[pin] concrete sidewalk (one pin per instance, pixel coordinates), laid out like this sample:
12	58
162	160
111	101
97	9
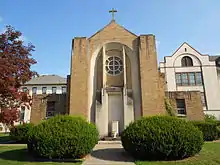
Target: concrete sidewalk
13	145
108	154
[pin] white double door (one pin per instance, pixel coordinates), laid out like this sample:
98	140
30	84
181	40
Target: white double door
115	111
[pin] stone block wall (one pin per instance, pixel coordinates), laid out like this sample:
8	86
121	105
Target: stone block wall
39	106
79	78
193	103
152	87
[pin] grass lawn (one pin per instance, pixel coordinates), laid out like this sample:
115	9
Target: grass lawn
19	156
210	155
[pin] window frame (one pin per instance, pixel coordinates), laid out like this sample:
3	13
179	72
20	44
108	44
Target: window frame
188	79
181	108
53	90
114	65
34	90
50	110
22	113
24	89
43	90
63	90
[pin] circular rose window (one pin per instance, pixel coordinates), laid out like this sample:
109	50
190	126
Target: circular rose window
114	65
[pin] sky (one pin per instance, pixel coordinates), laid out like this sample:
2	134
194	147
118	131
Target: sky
51	25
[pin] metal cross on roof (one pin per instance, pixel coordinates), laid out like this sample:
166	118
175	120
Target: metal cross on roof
113	11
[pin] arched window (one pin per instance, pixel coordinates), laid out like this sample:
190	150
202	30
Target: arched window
187	61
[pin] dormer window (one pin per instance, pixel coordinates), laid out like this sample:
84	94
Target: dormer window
187	61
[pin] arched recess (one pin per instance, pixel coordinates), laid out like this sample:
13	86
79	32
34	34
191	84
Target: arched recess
133	58
196	60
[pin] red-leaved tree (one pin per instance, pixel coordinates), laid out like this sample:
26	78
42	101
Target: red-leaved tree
15	63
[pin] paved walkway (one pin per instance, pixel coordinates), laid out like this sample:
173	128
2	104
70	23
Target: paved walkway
13	145
108	154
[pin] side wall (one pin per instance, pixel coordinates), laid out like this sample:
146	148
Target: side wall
39	106
152	89
79	79
194	109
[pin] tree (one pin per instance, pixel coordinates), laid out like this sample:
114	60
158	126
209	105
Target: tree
15	63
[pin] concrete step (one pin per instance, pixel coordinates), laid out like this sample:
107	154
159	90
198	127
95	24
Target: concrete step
109	142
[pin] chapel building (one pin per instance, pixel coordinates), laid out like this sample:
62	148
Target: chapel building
115	79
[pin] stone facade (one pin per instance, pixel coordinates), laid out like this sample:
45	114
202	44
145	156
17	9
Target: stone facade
152	91
39	106
200	73
102	98
140	84
193	103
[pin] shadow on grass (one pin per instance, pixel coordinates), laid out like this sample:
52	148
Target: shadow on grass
5	139
22	155
112	154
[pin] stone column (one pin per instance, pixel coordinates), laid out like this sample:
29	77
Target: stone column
78	104
102	121
152	91
125	88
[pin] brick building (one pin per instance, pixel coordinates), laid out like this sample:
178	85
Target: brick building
114	79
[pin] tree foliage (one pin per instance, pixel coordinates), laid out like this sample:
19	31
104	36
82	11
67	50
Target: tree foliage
15	63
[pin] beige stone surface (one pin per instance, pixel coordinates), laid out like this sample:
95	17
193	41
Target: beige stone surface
152	88
79	79
193	103
39	106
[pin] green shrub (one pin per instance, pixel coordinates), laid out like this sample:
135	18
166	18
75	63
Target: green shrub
209	129
161	138
19	133
61	137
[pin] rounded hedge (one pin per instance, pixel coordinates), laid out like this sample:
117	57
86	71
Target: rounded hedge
210	130
61	137
19	133
161	138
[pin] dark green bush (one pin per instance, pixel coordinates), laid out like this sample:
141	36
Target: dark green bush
61	137
209	129
19	133
161	138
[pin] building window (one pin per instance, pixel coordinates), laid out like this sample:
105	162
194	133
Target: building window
192	80
187	61
22	113
54	90
181	108
185	80
203	99
199	78
63	89
24	89
34	90
189	79
50	112
178	79
44	90
114	65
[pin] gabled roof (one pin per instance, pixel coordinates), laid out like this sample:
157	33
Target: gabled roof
46	80
185	44
112	23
